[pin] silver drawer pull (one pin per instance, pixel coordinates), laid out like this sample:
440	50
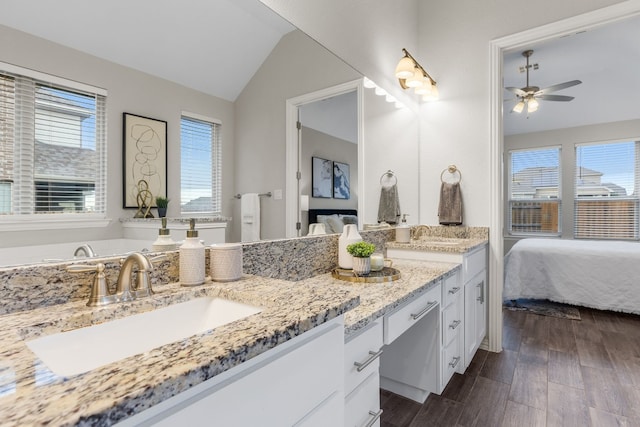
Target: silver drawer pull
481	297
455	324
454	362
454	290
373	420
424	310
373	355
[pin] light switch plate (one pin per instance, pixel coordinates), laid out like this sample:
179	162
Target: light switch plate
277	194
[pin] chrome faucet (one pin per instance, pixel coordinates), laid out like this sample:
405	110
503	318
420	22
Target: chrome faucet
86	249
142	284
125	291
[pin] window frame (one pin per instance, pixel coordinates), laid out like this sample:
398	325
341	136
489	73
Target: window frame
65	220
558	201
216	165
616	199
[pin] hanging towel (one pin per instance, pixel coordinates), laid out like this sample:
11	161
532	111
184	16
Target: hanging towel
389	207
250	213
450	207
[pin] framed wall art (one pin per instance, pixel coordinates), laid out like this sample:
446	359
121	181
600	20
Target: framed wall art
341	186
321	177
144	160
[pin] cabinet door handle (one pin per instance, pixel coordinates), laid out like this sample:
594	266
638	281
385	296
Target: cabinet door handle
454	362
454	290
481	297
373	420
455	324
424	310
373	355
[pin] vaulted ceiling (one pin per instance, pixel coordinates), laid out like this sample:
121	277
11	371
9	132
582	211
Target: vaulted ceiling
216	46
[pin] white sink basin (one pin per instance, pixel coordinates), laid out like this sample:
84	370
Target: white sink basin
81	350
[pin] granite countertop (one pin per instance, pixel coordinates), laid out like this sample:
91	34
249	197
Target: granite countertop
31	394
378	299
441	244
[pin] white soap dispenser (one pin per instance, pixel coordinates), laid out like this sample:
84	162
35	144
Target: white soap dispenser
192	258
403	231
164	242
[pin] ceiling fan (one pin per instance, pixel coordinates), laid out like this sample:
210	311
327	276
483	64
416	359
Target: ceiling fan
529	95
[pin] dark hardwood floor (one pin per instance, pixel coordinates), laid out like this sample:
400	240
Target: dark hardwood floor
552	372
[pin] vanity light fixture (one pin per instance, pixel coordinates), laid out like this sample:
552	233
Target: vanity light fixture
410	74
370	84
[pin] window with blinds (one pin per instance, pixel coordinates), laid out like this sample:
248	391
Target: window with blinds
201	164
606	203
52	148
534	191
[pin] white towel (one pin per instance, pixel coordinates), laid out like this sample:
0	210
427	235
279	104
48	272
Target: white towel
250	213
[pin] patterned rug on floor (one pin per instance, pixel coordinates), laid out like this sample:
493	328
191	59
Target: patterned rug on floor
544	308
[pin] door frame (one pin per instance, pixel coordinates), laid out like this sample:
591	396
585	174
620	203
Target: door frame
292	190
497	47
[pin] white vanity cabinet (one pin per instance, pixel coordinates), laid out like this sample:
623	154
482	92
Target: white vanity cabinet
473	280
299	383
362	379
453	329
410	363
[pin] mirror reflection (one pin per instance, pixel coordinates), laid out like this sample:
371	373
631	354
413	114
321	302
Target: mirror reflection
253	142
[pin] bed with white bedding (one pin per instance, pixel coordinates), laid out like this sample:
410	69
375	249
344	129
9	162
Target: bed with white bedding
598	274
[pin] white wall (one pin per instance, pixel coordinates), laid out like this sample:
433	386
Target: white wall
454	47
391	143
128	91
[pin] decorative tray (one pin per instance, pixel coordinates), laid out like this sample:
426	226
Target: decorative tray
387	274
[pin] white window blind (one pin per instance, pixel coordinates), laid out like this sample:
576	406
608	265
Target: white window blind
52	148
201	164
534	193
606	203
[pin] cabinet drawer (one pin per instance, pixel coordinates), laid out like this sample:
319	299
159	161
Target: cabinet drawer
451	288
362	355
362	405
474	263
406	316
451	361
451	323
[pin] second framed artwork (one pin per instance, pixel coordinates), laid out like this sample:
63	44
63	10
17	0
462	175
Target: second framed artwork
144	153
341	188
330	179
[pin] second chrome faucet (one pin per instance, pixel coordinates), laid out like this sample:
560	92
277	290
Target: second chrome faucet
125	289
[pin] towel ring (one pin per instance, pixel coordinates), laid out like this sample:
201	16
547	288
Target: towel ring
390	174
452	169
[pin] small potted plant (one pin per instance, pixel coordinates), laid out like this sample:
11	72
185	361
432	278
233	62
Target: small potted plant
162	203
361	253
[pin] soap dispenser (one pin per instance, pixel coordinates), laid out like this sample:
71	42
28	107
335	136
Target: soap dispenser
403	231
192	258
164	242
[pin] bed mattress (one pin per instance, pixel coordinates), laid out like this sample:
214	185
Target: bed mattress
598	274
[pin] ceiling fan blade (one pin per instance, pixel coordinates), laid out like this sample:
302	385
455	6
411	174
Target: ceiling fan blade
517	91
555	97
557	87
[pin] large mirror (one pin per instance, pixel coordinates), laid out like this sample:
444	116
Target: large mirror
281	65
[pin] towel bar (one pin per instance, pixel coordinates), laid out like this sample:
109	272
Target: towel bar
268	194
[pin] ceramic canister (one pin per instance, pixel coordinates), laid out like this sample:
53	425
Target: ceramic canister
225	262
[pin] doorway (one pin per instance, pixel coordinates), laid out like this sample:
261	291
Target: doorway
293	214
497	49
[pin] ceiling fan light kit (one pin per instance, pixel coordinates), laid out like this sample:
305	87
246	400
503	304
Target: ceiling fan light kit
529	95
410	74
